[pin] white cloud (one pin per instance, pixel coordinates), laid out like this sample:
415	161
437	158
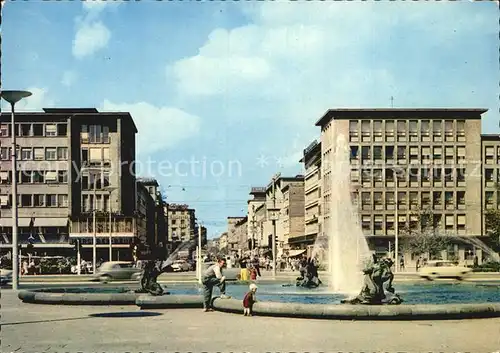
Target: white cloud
69	77
158	127
34	103
89	38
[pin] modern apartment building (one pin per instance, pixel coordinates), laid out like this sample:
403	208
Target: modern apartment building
292	212
71	162
491	173
313	200
181	223
404	161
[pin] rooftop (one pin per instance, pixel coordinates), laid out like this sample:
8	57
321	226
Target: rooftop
147	181
490	137
69	112
471	113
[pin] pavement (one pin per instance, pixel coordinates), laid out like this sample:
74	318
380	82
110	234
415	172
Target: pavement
46	328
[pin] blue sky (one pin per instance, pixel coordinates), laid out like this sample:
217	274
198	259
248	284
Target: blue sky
226	83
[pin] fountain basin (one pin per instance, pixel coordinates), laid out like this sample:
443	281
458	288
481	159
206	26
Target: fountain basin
364	312
79	296
169	301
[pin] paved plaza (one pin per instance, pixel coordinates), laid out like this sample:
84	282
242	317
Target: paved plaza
45	328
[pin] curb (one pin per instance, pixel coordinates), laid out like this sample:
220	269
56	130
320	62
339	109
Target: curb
170	302
364	312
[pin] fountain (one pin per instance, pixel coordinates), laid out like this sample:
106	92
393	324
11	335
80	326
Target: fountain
344	244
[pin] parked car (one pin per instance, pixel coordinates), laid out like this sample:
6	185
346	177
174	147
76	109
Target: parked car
117	270
443	269
5	276
180	266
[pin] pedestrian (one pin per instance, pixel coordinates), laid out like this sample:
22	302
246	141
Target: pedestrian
249	300
417	266
213	278
402	263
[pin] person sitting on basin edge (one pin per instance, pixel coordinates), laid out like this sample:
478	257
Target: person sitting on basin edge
213	278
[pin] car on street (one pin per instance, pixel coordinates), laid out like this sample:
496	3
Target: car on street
5	276
181	266
443	269
117	270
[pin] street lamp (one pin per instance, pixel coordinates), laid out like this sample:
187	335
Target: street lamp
13	97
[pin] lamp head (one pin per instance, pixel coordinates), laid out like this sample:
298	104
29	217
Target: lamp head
14	96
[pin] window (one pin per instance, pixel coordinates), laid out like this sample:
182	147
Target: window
425	126
437	201
26	154
389	175
449	222
488	177
51	177
39	200
413	130
62	129
378	201
377	152
488	196
4	200
51	200
448	130
51	153
4	153
105	180
437	128
389	153
105	154
461	224
460	173
460	154
366	200
366	223
365	131
25	130
62	176
378	224
389	200
50	130
449	154
389	225
425	177
4	130
105	134
365	154
402	201
438	153
4	176
401	130
413	200
62	153
389	130
377	130
37	129
378	178
414	154
401	154
39	153
426	199
448	200
461	200
95	155
426	154
26	200
62	200
26	176
413	177
38	177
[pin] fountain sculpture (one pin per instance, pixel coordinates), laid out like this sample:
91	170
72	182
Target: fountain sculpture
373	291
155	266
309	277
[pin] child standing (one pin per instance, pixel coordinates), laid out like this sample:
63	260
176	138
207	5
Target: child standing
249	300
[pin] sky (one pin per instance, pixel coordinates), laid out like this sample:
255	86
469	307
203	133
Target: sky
226	94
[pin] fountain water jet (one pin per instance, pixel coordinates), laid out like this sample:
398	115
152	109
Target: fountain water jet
344	243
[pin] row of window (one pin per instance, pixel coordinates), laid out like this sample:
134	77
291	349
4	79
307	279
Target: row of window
385	225
99	203
36	200
35	129
94	134
414	153
410	200
35	176
406	130
35	153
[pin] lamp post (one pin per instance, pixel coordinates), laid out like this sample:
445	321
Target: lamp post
198	261
13	97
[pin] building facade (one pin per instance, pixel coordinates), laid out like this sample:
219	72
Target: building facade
223	244
292	212
312	197
181	223
491	171
71	163
258	200
233	234
405	161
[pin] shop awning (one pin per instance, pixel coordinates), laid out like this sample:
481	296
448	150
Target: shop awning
39	222
293	253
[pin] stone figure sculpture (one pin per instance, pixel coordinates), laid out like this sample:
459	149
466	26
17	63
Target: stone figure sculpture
374	292
309	277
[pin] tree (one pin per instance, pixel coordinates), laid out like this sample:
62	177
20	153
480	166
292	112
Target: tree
423	235
492	224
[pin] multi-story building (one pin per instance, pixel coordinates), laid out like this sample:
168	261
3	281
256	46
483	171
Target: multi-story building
233	234
491	173
292	212
72	163
404	161
156	230
312	194
223	244
181	223
258	200
203	234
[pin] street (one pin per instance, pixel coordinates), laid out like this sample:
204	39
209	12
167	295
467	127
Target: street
46	328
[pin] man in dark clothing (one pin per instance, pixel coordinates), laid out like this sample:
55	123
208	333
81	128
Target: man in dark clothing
211	278
256	265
